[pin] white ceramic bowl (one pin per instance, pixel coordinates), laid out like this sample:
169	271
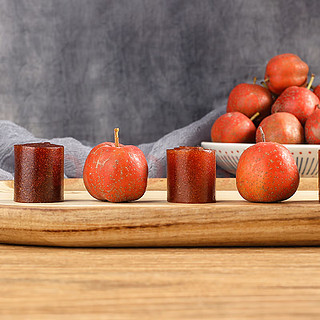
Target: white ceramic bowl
228	154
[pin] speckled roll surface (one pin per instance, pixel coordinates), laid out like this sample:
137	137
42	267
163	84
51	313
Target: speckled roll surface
191	175
39	173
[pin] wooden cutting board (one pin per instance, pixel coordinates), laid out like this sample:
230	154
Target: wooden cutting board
82	221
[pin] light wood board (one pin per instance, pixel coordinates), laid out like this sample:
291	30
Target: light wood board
82	221
159	283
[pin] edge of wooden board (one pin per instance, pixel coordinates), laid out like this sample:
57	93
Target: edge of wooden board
223	224
161	184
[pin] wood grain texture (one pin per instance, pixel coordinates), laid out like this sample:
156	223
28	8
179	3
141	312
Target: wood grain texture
221	184
161	184
195	283
153	222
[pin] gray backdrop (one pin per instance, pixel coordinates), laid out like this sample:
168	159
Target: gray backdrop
81	67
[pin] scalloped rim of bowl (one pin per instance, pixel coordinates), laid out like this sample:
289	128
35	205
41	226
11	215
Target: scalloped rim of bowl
299	151
311	146
223	145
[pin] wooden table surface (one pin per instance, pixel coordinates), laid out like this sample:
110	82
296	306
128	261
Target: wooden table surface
161	283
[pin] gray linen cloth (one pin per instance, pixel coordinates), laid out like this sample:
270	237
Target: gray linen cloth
76	153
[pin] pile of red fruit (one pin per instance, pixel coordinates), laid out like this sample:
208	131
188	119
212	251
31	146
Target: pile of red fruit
284	107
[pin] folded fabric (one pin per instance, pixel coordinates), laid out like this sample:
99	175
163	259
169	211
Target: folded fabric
76	153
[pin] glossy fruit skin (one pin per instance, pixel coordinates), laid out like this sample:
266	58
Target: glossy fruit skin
316	91
250	99
267	172
115	174
301	102
285	70
312	128
281	127
233	127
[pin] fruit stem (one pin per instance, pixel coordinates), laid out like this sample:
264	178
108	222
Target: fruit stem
264	84
257	114
262	134
254	80
116	137
310	82
266	79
